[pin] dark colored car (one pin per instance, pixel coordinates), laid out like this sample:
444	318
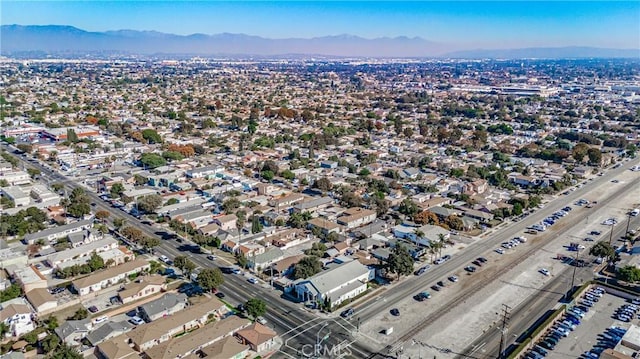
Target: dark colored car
482	259
470	269
220	295
435	287
240	307
441	283
395	312
347	313
93	309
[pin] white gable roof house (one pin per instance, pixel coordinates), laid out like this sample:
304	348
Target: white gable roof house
334	285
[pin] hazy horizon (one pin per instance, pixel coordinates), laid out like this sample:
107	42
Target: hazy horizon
456	24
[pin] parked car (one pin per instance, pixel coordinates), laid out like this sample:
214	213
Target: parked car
470	269
220	295
453	278
93	309
136	320
395	312
544	271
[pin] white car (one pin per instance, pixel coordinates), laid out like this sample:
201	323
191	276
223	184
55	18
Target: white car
136	320
261	320
544	271
164	258
499	251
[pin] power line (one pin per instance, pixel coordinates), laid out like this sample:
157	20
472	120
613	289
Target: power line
503	331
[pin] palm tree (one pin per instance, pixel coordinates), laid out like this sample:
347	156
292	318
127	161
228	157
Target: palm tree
441	241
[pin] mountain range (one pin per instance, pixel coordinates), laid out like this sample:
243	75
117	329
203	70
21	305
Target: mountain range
21	40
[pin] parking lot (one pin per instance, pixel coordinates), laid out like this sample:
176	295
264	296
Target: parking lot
595	322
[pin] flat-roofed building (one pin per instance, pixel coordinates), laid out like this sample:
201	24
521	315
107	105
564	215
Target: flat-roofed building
109	277
193	342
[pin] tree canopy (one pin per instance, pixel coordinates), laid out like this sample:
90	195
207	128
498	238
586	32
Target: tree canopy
400	261
210	278
256	307
307	267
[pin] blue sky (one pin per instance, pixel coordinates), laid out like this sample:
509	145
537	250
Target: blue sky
490	24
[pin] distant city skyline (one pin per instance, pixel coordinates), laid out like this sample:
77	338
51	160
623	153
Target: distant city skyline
459	24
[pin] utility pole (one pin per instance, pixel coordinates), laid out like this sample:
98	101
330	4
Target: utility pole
573	275
503	331
626	232
611	234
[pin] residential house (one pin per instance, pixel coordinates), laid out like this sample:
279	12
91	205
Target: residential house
116	348
107	331
58	232
168	304
109	277
29	278
266	188
287	238
82	251
313	205
142	287
335	285
80	238
227	348
161	330
190	344
324	225
226	222
260	261
356	217
41	300
259	337
72	332
284	266
286	201
18	320
204	172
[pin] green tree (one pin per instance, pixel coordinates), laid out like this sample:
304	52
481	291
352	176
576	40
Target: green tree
256	226
3	329
81	313
323	184
595	156
149	242
400	261
14	291
288	175
151	136
241	260
150	203
132	233
256	307
65	351
307	267
579	151
180	261
629	273
119	222
267	175
50	343
152	160
408	207
602	250
51	322
33	172
116	190
72	136
210	278
95	262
